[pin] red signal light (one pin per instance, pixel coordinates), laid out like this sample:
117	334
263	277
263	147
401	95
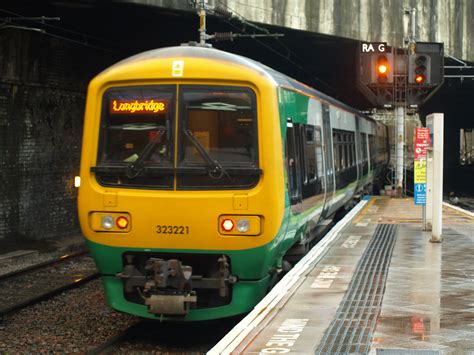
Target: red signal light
419	79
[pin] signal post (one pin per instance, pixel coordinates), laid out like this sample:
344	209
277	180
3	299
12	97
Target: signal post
396	78
401	77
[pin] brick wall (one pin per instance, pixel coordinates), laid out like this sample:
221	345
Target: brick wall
42	95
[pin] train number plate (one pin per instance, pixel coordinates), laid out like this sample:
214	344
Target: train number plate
168	229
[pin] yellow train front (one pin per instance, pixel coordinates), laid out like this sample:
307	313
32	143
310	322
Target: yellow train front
186	196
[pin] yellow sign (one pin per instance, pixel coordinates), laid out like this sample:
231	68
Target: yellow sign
178	68
137	106
420	171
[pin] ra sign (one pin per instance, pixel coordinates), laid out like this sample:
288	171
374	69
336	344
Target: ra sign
373	47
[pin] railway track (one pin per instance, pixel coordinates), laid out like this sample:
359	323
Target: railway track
148	336
114	342
467	205
22	288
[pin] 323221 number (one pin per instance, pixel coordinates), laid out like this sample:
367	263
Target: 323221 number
165	229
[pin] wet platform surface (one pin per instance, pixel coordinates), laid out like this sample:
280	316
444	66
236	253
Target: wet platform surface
427	302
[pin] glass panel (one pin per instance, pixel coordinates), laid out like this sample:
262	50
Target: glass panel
372	148
364	146
466	144
310	154
218	128
319	152
134	117
346	156
291	162
136	132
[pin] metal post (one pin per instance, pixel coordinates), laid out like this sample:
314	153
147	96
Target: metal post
202	21
400	146
423	216
437	120
413	23
427	225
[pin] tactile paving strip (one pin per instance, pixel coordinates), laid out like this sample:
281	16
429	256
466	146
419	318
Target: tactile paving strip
355	320
407	352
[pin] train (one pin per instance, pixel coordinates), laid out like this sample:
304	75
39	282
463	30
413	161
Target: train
204	173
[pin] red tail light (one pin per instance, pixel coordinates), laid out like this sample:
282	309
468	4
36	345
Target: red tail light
227	225
122	222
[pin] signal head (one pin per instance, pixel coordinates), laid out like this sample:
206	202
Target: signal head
419	69
420	60
382	68
419	79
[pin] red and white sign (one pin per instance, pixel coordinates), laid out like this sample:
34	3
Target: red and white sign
422	141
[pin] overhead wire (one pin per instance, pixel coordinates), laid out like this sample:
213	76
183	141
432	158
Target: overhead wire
83	36
43	23
287	58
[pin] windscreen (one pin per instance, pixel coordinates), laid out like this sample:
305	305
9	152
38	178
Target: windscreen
137	127
218	130
216	138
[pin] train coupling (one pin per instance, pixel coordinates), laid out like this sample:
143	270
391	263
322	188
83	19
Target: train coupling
170	304
168	287
165	285
171	275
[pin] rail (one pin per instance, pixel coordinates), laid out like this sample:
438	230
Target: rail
18	292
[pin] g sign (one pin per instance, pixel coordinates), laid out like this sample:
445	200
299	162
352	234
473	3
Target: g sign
373	47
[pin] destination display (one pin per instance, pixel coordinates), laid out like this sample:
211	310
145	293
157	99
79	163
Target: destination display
141	107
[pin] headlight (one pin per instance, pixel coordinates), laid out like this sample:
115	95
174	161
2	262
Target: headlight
77	181
108	222
243	225
240	225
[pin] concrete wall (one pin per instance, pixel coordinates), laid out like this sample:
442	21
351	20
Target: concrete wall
42	95
448	21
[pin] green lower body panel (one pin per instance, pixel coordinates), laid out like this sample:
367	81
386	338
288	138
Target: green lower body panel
247	264
251	267
245	295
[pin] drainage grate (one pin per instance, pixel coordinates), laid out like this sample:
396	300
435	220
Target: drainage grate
354	323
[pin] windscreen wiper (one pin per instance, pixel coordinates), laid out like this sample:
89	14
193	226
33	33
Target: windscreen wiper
135	167
216	170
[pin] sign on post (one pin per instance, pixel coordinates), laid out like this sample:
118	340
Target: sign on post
436	121
422	142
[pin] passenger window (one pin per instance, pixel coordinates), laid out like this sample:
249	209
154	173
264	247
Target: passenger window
310	155
319	152
336	151
292	164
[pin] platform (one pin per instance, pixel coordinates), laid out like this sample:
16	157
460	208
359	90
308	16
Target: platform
374	285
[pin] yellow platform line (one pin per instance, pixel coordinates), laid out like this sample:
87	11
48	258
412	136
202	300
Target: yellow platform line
364	211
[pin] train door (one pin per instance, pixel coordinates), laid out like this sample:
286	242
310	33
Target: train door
328	158
293	164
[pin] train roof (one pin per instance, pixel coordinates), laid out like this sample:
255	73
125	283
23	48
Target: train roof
195	51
